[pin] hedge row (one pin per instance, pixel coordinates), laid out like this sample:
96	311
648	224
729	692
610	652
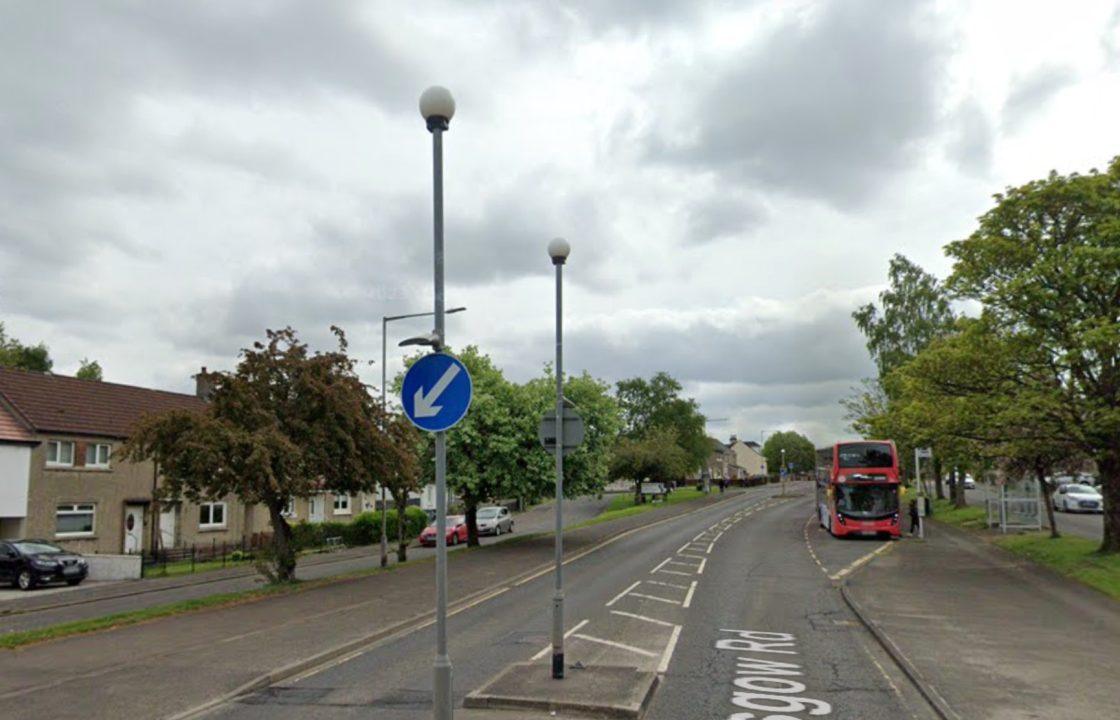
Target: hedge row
364	529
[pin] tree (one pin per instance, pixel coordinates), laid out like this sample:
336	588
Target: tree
90	370
405	479
656	403
801	455
1045	265
654	456
15	354
287	423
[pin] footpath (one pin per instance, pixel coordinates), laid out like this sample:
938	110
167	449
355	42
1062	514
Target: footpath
988	636
180	664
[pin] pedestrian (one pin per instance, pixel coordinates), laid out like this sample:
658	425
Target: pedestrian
722	485
913	516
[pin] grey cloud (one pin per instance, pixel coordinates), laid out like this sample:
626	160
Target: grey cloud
724	215
1030	94
972	138
827	107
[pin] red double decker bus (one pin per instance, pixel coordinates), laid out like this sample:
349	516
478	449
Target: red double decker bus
857	488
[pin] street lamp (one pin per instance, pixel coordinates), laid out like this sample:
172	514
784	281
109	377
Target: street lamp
784	471
438	107
385	320
558	250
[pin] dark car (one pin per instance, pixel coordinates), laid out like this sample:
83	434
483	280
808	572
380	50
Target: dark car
27	563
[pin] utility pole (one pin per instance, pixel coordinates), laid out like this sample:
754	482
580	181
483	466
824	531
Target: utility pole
559	250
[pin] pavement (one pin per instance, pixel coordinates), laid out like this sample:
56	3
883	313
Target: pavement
166	667
52	605
990	636
1086	525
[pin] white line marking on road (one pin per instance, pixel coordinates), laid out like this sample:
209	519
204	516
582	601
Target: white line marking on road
654	597
700	535
674	572
700	570
668	654
672	585
688	598
622	594
684	547
690	557
612	643
710	546
655	621
688	565
717	537
665	562
548	647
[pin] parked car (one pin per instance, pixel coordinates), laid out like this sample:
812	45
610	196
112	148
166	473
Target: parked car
456	531
1078	498
969	483
28	563
494	520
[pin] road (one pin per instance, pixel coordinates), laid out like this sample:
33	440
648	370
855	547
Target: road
687	598
536	519
1086	525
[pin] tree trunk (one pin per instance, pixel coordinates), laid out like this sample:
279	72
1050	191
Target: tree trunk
1108	463
402	536
472	523
285	557
959	499
937	478
1044	487
637	492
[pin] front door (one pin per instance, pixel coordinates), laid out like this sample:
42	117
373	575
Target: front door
133	529
315	512
167	527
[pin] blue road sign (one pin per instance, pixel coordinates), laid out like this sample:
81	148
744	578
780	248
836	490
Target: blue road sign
436	392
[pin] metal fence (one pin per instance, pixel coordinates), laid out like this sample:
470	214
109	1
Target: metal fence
201	556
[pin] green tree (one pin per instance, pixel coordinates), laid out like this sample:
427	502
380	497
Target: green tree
90	370
656	403
1045	265
286	423
654	456
15	354
405	479
801	455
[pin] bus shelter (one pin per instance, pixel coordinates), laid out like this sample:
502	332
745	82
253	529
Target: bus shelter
1015	505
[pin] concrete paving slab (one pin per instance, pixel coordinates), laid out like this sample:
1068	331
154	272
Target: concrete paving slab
610	691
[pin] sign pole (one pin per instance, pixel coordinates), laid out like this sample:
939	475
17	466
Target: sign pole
558	595
921	494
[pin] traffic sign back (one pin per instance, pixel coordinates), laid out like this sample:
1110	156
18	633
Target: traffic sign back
436	392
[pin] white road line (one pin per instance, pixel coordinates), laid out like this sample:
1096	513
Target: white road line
612	643
674	572
688	597
700	570
700	535
672	585
668	654
710	546
654	597
665	562
717	537
547	648
687	565
861	561
683	547
690	557
622	594
655	621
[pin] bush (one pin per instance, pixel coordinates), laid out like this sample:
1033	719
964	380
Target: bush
364	529
306	535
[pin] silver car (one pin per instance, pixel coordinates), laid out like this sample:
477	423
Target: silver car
1078	498
494	520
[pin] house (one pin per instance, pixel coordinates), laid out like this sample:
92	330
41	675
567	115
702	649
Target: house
720	464
748	455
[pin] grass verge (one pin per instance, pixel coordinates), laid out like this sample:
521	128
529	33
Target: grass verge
623	506
1073	557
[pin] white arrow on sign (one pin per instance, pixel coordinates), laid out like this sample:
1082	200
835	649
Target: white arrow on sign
422	402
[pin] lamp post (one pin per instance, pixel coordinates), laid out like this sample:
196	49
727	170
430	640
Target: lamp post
559	250
438	107
385	320
784	471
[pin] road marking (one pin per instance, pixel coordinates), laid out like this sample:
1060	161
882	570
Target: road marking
700	535
622	594
717	537
866	558
683	547
688	598
548	647
690	557
654	597
612	643
663	564
688	565
674	572
672	585
644	618
710	546
668	654
700	570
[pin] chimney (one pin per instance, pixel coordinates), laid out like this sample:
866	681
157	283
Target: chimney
202	385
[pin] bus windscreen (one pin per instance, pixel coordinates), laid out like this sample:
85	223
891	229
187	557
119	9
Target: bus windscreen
865	455
866	500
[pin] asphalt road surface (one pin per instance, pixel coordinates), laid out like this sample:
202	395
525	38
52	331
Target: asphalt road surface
711	600
538	519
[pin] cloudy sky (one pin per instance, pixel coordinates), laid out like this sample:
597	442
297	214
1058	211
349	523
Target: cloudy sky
732	176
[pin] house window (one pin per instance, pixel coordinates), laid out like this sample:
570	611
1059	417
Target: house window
211	515
97	455
289	509
341	504
74	520
60	453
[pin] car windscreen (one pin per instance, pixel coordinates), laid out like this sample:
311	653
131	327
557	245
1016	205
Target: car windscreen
34	548
1082	490
867	500
487	513
865	455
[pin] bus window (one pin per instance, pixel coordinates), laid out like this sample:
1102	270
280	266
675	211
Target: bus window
866	500
865	455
